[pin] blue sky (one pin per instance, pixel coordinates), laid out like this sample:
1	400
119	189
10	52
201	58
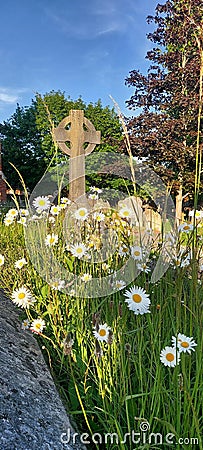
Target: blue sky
84	48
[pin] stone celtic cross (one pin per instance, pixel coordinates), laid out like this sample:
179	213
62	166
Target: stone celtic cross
81	131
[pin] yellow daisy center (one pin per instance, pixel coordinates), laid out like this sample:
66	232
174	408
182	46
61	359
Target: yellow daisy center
186	227
170	357
137	298
38	326
21	295
126	213
125	249
102	332
184	344
52	240
79	250
41	202
136	253
82	213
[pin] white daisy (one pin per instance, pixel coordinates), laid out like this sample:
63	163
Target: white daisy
22	297
78	250
185	227
182	259
138	300
37	325
55	210
198	214
25	324
93	196
51	240
184	343
123	250
143	267
8	220
81	214
65	200
99	217
23	221
12	213
169	356
120	284
20	263
125	213
41	203
58	285
1	260
136	252
24	212
102	333
86	277
96	189
63	205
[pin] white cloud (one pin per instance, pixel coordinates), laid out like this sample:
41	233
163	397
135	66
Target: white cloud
95	20
9	95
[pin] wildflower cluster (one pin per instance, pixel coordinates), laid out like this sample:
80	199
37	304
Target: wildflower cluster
106	344
170	356
15	215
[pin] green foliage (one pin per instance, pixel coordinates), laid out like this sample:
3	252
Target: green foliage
21	147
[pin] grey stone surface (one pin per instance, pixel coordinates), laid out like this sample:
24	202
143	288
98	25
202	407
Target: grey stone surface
32	416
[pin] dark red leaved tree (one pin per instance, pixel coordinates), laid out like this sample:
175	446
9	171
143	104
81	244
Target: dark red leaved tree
168	131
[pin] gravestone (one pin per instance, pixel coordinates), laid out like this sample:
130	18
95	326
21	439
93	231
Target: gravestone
81	132
153	219
32	416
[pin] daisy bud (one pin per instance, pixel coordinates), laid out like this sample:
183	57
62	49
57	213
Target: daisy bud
98	351
120	310
128	348
67	344
110	337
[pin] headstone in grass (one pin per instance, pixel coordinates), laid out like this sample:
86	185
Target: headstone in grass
32	416
77	141
153	219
